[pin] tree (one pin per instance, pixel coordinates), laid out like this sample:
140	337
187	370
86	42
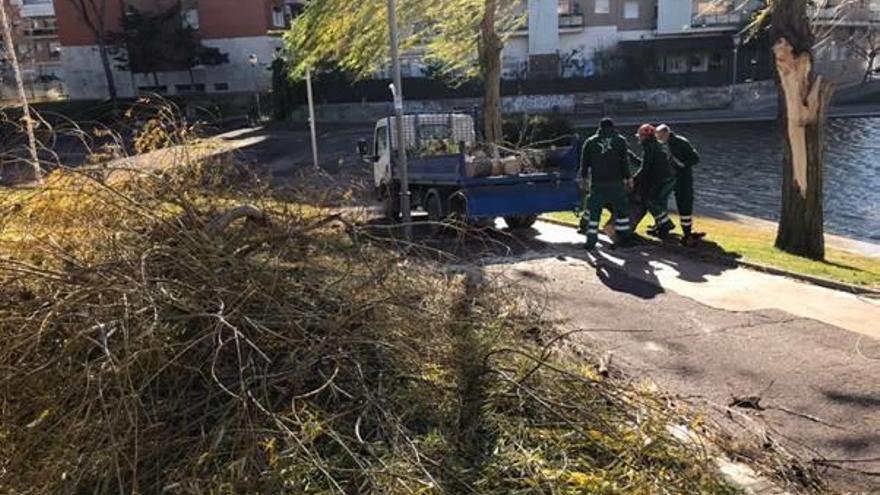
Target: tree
190	52
462	37
867	47
144	36
160	41
803	100
93	14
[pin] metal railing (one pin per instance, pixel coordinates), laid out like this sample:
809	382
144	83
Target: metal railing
571	20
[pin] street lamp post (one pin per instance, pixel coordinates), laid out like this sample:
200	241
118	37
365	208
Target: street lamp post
254	61
312	118
736	41
397	93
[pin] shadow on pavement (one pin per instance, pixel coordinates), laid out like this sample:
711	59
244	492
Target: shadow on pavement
860	400
631	270
635	276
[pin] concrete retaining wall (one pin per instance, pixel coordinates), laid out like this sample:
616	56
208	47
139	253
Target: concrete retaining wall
744	96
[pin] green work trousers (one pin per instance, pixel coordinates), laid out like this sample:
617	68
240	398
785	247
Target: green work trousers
684	197
658	201
602	193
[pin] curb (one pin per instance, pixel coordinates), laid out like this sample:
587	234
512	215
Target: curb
818	281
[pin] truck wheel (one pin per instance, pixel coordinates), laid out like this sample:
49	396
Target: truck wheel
521	221
436	212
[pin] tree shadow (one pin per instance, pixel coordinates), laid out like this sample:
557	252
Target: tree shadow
868	401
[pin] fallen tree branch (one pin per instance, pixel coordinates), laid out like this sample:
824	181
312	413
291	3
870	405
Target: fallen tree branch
222	222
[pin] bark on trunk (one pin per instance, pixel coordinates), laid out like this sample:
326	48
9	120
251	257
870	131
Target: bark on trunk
490	65
803	98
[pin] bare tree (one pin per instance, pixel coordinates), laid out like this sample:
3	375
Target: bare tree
867	47
93	14
25	108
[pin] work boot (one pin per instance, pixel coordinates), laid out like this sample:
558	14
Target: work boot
590	245
661	231
664	230
692	239
653	231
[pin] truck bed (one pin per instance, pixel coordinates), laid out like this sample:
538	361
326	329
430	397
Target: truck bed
449	171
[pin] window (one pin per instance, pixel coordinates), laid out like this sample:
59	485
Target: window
278	17
190	18
221	86
676	64
568	7
603	6
631	9
716	62
381	140
699	63
190	88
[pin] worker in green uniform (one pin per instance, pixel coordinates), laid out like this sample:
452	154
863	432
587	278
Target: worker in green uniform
659	179
605	164
684	157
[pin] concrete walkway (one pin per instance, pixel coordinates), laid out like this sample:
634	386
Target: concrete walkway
733	289
710	333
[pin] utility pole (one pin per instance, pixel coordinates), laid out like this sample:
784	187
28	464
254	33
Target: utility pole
397	92
255	61
312	118
25	108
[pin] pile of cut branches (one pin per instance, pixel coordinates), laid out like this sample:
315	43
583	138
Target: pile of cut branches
161	335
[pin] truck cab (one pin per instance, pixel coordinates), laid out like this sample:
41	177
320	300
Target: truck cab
425	135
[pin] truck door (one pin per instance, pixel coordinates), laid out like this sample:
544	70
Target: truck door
382	165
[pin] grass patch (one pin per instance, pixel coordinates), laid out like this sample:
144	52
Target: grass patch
756	245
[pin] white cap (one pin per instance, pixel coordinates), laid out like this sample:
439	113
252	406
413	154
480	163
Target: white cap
663	128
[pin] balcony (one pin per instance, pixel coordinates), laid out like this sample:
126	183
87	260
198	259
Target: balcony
731	19
569	21
41	33
844	15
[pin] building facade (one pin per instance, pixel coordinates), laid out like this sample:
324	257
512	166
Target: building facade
37	47
247	33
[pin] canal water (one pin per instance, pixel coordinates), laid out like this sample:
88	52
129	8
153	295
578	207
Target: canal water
740	172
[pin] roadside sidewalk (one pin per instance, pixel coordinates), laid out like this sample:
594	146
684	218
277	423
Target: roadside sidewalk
733	289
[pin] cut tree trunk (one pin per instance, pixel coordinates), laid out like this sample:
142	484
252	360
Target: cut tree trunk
491	46
804	99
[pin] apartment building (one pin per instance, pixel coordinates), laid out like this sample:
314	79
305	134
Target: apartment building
846	31
246	32
36	42
567	37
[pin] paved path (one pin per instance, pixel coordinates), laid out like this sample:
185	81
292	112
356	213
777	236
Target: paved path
716	332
